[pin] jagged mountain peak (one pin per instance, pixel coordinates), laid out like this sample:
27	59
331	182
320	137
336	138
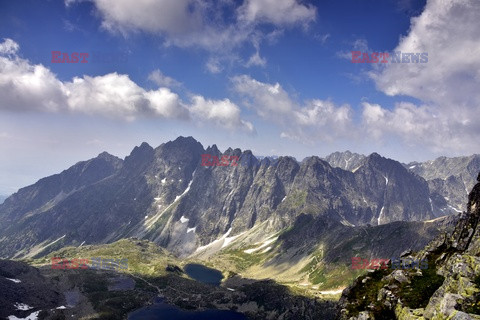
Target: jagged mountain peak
346	160
375	157
251	160
213	150
286	161
144	147
383	164
180	149
183	142
106	155
139	154
248	152
317	163
182	139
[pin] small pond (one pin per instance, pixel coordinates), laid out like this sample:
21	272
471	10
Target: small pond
203	274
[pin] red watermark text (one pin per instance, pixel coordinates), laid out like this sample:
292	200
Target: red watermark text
64	57
210	161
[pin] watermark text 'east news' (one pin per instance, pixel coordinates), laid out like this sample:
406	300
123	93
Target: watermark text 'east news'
396	57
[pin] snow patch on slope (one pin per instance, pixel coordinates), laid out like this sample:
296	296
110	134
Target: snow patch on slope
266	250
460	211
22	306
265	243
380	215
229	240
149	223
214	242
32	316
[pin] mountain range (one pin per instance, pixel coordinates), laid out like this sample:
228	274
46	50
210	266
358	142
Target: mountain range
298	223
449	179
166	196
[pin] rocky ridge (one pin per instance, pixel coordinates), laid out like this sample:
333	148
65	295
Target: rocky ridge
165	195
449	180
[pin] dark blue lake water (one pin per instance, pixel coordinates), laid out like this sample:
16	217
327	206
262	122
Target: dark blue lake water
163	311
203	274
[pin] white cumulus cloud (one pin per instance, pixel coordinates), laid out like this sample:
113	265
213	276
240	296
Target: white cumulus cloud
218	27
278	12
27	87
308	121
447	84
8	46
222	112
162	80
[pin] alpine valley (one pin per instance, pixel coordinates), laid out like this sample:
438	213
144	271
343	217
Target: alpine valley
282	233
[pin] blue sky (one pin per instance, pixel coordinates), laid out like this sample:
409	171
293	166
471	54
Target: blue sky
272	76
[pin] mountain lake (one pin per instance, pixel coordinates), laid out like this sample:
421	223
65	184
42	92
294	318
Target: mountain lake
161	310
203	274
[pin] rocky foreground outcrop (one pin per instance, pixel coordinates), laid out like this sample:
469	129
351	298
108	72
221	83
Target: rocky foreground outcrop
448	289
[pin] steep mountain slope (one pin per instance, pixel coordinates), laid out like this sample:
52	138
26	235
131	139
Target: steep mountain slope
103	210
277	195
402	196
450	179
47	192
448	289
167	196
315	253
